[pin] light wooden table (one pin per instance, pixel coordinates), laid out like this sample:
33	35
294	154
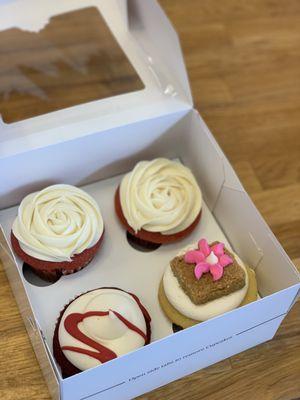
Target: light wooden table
243	60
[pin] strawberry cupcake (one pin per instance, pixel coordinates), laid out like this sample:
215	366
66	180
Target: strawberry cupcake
97	327
159	201
57	231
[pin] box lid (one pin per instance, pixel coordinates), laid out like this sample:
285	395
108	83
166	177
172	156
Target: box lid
144	34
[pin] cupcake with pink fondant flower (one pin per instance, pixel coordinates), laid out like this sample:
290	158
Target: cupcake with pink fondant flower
204	281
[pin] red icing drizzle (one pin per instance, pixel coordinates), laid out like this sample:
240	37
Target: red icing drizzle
130	325
103	354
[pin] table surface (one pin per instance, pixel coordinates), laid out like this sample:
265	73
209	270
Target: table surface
243	60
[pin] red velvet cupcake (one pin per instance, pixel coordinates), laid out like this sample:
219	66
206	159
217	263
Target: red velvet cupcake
97	327
57	231
159	201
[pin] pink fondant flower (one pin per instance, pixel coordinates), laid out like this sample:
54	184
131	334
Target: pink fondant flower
208	259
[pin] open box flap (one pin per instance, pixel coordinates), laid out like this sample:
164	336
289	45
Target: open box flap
151	45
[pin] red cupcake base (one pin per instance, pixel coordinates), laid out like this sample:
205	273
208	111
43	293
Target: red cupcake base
52	271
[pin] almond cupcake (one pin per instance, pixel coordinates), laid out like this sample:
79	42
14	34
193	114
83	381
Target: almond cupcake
204	281
57	231
159	201
97	327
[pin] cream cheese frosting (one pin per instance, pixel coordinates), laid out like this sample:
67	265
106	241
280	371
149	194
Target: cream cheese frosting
57	223
160	196
108	330
180	300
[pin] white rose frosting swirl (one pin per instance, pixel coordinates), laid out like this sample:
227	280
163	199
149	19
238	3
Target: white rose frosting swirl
57	223
160	196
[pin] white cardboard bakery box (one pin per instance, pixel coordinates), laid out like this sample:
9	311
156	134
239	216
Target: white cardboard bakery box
93	144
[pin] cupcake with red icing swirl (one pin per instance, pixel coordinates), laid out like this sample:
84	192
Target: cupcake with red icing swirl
97	327
159	201
57	231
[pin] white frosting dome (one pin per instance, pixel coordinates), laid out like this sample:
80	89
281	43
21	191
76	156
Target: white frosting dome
57	223
108	331
160	196
181	301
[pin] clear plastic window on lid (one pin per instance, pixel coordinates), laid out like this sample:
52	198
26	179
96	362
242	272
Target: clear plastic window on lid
72	60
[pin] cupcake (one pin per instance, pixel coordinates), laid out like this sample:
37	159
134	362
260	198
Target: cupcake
97	327
159	201
57	231
204	281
